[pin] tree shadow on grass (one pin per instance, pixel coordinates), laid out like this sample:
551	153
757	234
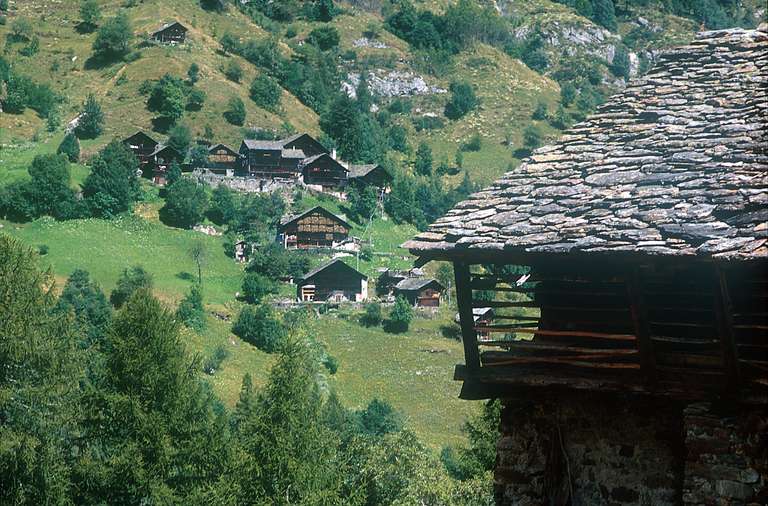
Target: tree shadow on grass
100	61
162	124
522	153
186	276
84	28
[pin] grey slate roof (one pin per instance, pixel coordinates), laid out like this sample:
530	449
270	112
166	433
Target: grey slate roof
675	165
412	284
324	266
256	144
361	170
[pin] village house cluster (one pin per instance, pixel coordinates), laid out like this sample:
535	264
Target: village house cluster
298	159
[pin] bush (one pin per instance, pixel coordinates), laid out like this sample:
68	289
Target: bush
265	92
186	203
324	38
463	100
372	316
423	163
193	73
91	120
428	123
42	249
214	361
195	100
168	98
114	37
235	113
540	112
331	363
380	418
191	311
129	281
21	30
112	186
180	137
261	327
567	94
532	137
233	71
70	147
257	286
400	316
621	63
90	14
475	143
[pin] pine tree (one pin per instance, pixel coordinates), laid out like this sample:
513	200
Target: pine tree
91	121
193	73
135	278
423	165
191	311
90	13
112	186
605	13
70	146
89	305
400	316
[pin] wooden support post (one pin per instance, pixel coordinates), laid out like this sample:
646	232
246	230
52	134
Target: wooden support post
642	327
724	314
464	301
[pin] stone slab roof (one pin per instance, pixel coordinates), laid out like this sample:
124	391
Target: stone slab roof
413	284
675	165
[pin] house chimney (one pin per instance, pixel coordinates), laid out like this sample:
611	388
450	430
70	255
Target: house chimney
333	153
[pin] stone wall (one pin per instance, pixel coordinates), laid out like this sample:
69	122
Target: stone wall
583	449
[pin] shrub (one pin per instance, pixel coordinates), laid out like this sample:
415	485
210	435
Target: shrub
400	316
257	286
463	100
233	71
42	249
475	143
185	204
191	311
621	63
193	73
214	361
229	43
90	14
372	316
112	186
532	137
331	363
261	327
428	123
21	30
129	281
423	164
324	38
91	120
180	137
195	100
168	98
114	37
540	112
70	146
380	418
567	94
398	138
265	92
235	113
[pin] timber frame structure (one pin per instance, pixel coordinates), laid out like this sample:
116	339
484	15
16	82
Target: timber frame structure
632	255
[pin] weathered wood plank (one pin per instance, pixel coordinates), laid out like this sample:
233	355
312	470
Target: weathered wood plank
565	333
466	319
639	313
724	317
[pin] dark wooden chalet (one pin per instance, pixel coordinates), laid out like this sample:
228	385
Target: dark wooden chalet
324	171
269	159
171	33
161	160
315	228
334	281
420	292
143	147
305	143
222	159
629	260
370	175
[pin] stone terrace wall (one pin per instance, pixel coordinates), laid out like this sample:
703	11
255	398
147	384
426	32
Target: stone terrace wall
583	449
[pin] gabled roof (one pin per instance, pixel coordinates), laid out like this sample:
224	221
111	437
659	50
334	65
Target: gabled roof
332	263
293	153
675	165
266	145
287	220
219	146
162	147
364	170
313	159
414	284
140	133
169	25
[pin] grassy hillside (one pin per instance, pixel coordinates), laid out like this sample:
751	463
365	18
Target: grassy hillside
64	61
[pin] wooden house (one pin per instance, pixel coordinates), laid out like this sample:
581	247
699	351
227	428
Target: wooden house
324	172
241	251
161	159
268	159
315	228
389	278
143	146
334	281
420	292
171	33
370	175
223	160
628	265
305	143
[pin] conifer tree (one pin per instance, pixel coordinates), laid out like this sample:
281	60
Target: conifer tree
88	303
112	186
90	13
70	146
91	121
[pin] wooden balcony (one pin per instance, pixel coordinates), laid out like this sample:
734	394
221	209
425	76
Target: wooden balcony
686	330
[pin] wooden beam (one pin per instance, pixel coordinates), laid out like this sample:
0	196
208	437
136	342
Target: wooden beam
565	333
466	318
639	313
724	315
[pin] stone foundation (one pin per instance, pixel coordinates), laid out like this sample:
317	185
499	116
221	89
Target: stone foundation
583	449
